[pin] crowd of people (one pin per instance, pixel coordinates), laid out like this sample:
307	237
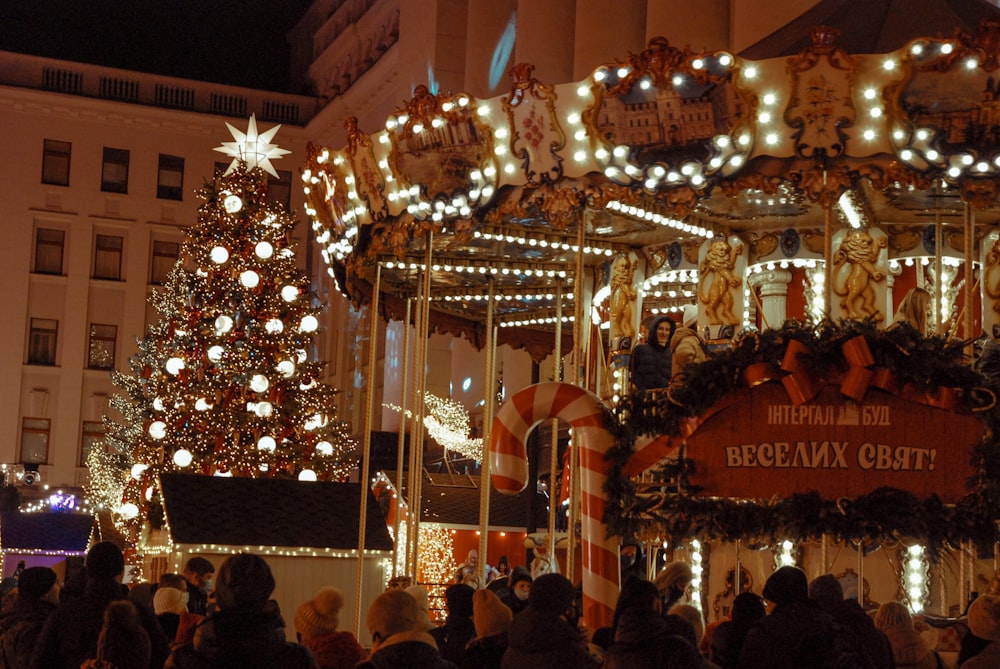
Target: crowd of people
202	619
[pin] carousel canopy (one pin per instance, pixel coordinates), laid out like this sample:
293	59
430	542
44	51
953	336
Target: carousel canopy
269	512
538	197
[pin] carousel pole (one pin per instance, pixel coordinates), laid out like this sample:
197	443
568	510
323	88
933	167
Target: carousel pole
401	443
736	574
574	459
411	528
861	573
824	552
827	253
366	445
419	404
554	442
484	477
943	603
939	324
969	237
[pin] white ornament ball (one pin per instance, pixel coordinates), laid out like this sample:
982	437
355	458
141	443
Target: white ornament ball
215	353
174	366
264	250
249	279
157	429
289	293
259	383
183	457
324	448
307	475
223	324
309	323
266	444
232	204
219	255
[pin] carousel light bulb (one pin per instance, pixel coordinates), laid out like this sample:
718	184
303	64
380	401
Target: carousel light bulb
289	293
232	204
249	278
174	366
286	368
137	470
264	250
219	255
308	323
307	475
157	429
266	444
223	324
215	353
274	326
259	383
324	448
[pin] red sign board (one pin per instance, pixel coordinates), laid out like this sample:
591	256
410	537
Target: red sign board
763	445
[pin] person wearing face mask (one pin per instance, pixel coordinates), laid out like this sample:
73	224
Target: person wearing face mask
546	634
198	573
518	589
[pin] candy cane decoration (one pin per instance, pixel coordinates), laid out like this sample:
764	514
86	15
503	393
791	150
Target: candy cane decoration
509	460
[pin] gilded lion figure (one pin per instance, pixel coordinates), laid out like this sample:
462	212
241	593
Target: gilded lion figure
718	278
623	296
859	252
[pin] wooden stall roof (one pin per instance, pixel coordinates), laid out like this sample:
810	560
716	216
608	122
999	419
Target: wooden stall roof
68	532
453	499
269	512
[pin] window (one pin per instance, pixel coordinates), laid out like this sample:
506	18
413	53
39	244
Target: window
92	438
114	174
170	179
55	162
42	341
164	258
279	191
49	250
108	257
35	440
101	353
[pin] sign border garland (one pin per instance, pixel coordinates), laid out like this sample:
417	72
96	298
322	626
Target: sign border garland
923	368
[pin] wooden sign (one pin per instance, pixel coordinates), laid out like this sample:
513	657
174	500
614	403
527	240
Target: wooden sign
764	445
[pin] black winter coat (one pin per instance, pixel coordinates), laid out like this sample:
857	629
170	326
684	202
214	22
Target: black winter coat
651	363
543	640
19	630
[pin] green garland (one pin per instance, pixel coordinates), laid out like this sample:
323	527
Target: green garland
675	511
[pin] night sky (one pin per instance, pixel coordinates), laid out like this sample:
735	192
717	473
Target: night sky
238	42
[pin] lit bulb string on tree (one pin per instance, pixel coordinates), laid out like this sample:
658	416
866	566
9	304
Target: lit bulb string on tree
223	383
926	369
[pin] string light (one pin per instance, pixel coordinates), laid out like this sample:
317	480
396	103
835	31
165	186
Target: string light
447	422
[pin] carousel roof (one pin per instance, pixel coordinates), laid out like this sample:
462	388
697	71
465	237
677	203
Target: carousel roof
269	512
523	195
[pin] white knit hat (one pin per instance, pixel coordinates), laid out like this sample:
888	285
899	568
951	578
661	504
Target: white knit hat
169	600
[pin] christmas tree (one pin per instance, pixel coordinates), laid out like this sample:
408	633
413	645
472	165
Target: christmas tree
223	383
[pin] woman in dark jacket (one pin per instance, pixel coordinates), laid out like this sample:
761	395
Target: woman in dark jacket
651	360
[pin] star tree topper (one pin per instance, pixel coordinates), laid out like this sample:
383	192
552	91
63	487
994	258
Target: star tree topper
256	149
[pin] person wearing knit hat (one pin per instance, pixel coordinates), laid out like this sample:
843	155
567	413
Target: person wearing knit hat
423	603
984	623
796	633
36	597
168	605
70	634
316	622
397	641
123	643
545	634
672	582
686	346
855	633
518	589
247	629
492	619
458	629
909	649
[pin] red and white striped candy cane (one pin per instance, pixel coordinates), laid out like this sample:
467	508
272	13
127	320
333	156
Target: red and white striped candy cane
509	461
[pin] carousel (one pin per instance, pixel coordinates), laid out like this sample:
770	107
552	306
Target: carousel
792	204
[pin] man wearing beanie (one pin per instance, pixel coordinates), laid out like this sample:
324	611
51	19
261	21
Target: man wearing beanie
492	619
397	640
797	633
70	635
316	627
247	630
37	594
458	629
545	635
